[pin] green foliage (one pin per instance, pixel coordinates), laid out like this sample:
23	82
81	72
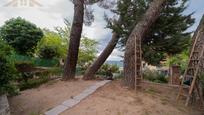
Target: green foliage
48	52
51	46
22	35
87	51
106	68
179	59
7	69
154	76
32	83
64	32
167	36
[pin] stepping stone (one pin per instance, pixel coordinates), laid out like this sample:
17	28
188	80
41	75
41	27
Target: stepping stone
81	96
102	83
57	110
70	103
89	91
93	87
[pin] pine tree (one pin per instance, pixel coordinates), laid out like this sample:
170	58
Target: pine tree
167	36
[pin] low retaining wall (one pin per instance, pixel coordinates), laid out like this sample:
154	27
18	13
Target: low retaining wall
4	105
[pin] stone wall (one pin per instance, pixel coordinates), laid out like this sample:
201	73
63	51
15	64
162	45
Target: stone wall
4	105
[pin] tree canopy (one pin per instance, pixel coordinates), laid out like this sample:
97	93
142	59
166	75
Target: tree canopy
22	35
168	36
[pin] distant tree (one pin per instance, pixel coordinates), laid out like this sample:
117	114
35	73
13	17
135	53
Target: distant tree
64	32
87	51
22	35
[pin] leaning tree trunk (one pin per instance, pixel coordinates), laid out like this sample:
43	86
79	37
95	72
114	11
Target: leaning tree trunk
90	72
75	36
132	61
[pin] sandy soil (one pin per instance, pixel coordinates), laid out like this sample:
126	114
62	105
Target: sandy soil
113	99
38	100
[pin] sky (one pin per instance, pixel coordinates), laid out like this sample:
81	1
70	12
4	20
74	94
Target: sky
51	13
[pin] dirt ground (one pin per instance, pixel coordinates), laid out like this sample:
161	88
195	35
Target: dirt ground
38	100
113	99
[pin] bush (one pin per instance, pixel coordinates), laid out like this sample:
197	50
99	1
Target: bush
32	83
7	69
48	52
106	68
154	76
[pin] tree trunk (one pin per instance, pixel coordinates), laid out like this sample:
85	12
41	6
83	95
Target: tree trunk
75	36
90	72
132	61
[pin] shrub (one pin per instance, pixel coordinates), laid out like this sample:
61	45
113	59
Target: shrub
106	68
32	83
25	68
48	52
7	69
154	76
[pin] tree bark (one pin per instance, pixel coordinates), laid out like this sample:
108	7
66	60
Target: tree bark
75	36
90	72
132	61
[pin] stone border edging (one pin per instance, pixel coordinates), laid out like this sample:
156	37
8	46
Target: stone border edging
4	105
68	104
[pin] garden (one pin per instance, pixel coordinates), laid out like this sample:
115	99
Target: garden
158	66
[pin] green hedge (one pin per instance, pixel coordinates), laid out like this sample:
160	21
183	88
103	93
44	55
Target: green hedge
37	61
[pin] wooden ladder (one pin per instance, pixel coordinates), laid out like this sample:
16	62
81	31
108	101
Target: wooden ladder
138	63
193	69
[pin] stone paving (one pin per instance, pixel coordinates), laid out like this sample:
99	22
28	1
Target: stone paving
77	99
